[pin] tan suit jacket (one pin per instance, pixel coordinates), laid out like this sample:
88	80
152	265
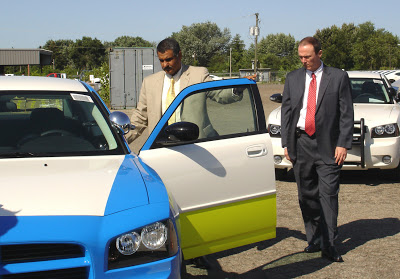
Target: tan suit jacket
149	109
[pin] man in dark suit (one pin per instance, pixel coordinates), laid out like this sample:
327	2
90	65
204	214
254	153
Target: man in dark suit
317	129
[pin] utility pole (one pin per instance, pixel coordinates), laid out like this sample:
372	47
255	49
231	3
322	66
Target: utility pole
255	45
230	62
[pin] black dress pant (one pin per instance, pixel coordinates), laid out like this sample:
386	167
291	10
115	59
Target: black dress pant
318	189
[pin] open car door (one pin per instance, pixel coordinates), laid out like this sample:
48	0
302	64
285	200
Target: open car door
221	175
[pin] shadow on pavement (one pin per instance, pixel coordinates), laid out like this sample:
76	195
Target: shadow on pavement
351	236
373	177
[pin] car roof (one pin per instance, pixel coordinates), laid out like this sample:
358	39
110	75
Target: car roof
363	74
29	83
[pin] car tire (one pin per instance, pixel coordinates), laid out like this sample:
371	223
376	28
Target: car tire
183	265
281	174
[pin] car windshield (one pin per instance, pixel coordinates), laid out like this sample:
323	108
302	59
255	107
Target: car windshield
53	124
368	90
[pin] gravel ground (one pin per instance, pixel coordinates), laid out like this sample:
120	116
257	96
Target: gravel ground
369	232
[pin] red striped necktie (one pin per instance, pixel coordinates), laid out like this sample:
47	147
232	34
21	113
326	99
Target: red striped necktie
311	104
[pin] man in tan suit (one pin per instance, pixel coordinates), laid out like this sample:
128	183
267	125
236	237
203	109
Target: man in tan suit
153	94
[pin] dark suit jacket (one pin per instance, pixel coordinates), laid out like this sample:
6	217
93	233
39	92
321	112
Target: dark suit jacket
334	116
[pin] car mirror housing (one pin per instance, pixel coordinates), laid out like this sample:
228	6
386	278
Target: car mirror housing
277	98
177	133
397	97
392	92
182	131
122	121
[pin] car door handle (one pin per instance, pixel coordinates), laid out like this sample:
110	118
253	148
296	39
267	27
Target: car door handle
256	150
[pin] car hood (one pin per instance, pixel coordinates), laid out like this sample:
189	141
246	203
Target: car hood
377	114
55	186
275	116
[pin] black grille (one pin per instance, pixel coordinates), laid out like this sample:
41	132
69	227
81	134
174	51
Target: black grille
39	252
72	273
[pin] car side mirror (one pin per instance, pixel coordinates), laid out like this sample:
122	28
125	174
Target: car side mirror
179	132
121	121
182	131
277	98
392	92
397	97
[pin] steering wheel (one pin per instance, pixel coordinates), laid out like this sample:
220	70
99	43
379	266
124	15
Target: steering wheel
56	131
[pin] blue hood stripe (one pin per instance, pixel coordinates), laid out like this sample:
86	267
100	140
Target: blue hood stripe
128	189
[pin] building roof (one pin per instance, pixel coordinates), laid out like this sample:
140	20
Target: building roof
17	57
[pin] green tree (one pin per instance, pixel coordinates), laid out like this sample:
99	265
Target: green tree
128	41
219	63
61	51
337	45
88	53
278	52
201	41
359	47
238	53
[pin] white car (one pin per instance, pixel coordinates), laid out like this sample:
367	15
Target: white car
376	141
391	75
75	202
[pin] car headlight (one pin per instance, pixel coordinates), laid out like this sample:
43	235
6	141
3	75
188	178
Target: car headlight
151	243
385	131
274	130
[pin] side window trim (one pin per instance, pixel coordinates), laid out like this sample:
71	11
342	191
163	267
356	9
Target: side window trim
211	85
255	107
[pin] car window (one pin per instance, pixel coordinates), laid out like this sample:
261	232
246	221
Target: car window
219	112
368	90
53	124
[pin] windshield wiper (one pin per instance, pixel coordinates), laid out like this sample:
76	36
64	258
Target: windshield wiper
18	155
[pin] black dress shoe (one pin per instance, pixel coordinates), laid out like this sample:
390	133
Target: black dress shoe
312	248
331	254
201	262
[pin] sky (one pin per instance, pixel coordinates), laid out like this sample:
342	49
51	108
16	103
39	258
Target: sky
30	24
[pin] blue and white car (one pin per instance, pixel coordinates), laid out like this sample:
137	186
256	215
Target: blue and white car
75	202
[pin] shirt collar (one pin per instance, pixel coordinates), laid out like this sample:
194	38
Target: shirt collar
176	76
317	71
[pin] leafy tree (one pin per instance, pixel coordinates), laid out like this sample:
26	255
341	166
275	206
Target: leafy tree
61	50
337	45
201	41
103	73
373	48
88	53
278	52
238	53
128	41
219	63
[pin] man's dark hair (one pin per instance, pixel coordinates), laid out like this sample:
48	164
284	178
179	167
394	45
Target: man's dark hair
168	44
311	41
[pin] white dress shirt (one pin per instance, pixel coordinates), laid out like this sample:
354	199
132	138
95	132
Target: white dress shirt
167	83
303	112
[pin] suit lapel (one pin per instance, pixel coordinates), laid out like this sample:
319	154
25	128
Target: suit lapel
157	95
185	77
324	85
301	79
